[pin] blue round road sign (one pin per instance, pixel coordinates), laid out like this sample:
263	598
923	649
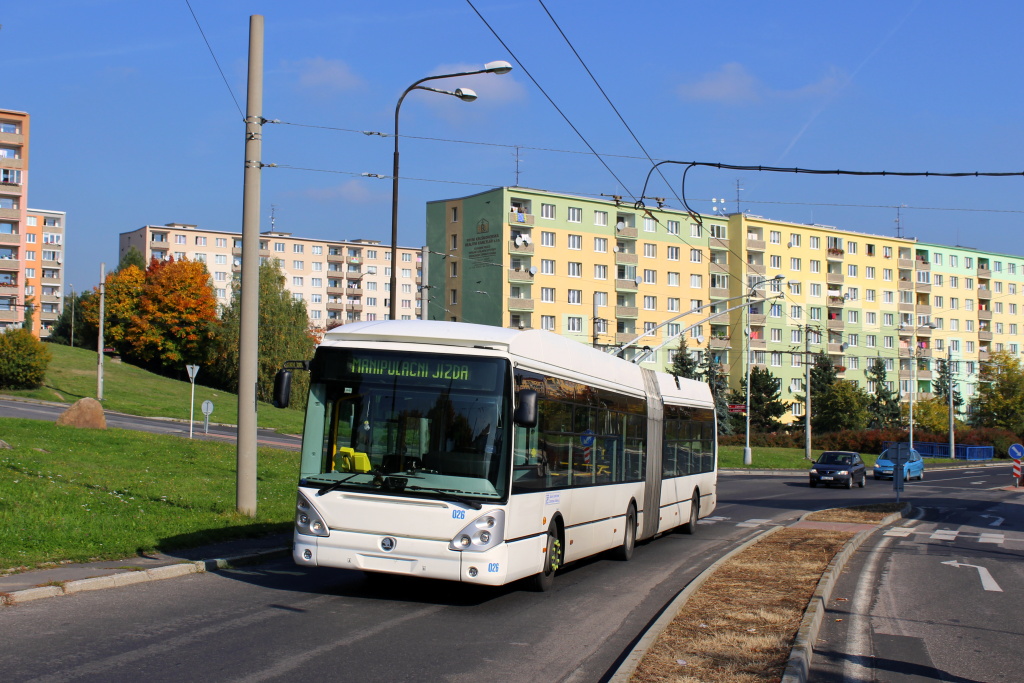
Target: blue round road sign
1016	451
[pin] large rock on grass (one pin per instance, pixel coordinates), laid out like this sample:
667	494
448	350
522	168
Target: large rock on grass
85	412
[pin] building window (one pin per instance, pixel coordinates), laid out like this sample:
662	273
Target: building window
575	269
672	227
600	272
547	322
574	324
575	215
576	242
696	281
650	303
547	211
650	250
600	218
695	255
650	225
547	266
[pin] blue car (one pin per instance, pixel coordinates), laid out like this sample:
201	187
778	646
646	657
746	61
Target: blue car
912	469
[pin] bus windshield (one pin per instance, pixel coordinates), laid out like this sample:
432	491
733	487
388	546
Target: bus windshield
432	425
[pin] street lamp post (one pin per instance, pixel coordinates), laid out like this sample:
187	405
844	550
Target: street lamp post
464	94
747	457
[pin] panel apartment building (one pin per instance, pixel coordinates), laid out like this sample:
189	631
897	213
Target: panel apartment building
606	274
340	281
31	240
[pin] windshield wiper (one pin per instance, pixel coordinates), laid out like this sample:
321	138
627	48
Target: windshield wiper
335	485
448	494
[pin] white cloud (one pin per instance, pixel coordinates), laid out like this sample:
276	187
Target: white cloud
731	83
357	191
325	76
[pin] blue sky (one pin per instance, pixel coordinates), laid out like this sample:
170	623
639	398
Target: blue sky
133	124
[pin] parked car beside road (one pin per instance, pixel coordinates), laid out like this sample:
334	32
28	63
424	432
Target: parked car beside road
912	469
838	467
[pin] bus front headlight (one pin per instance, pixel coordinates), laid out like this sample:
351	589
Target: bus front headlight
483	533
307	519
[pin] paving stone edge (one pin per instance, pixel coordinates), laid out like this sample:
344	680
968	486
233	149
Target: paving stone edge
632	660
801	655
129	577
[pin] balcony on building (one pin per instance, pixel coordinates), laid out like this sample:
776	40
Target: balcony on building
923	287
519	275
8	263
718	293
520	213
923	309
755	239
622	285
625	225
627	312
905	307
14	214
335	256
984	355
835	301
758	343
984	335
623	258
516	303
354	308
10	315
835	254
352	291
905	283
835	348
718	243
983	268
984	293
335	305
353	275
624	337
834	323
718	266
984	314
756	318
921	262
755	269
924	331
834	277
721	342
520	245
335	290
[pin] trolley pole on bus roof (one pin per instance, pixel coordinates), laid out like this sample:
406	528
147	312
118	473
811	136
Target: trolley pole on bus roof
248	338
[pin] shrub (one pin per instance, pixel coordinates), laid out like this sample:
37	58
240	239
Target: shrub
23	360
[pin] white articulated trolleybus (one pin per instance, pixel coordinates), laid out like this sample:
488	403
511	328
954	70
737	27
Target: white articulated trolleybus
487	455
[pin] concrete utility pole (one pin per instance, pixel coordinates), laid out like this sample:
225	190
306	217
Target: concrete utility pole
952	419
248	338
807	393
99	356
424	287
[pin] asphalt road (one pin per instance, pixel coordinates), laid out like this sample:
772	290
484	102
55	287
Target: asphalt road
51	411
281	622
939	596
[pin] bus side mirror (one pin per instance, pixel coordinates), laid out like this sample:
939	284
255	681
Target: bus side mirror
526	409
282	388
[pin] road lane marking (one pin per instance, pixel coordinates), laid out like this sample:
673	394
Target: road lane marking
990	538
753	522
999	520
944	535
900	531
987	582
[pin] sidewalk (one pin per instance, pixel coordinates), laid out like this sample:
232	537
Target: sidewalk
70	578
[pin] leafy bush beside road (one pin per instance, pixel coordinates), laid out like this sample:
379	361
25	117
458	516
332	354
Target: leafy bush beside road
23	360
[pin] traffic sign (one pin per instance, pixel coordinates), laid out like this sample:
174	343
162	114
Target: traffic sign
207	407
1016	451
737	408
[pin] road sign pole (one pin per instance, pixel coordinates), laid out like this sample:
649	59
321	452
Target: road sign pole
192	370
1016	453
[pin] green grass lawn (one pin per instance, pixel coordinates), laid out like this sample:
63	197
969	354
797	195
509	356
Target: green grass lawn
128	389
793	458
83	494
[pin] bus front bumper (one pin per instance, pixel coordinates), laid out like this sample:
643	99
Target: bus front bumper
427	558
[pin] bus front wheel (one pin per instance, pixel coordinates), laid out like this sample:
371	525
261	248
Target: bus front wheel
553	553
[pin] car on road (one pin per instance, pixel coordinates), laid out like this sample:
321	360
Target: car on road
912	469
839	467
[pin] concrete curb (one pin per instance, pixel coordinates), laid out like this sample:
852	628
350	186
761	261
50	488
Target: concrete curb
130	577
629	664
801	655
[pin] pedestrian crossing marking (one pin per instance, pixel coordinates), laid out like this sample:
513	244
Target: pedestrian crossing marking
753	522
991	538
900	532
944	535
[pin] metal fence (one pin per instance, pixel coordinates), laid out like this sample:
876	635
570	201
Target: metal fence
941	450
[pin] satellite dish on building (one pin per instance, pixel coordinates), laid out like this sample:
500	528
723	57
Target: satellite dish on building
533	270
519	240
638	280
616	249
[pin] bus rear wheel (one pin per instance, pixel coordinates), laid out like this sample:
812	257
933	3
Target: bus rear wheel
625	551
691	526
553	554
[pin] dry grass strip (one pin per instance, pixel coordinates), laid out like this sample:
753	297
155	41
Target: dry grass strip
858	514
740	625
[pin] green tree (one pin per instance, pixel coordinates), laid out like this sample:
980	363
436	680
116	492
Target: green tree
823	375
132	257
23	360
932	415
84	337
843	406
683	364
766	405
30	309
711	372
942	383
884	406
283	335
1000	398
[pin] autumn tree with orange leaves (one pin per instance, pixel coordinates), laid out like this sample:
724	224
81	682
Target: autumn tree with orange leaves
162	318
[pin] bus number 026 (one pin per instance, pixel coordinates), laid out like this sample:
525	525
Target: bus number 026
458	514
492	567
